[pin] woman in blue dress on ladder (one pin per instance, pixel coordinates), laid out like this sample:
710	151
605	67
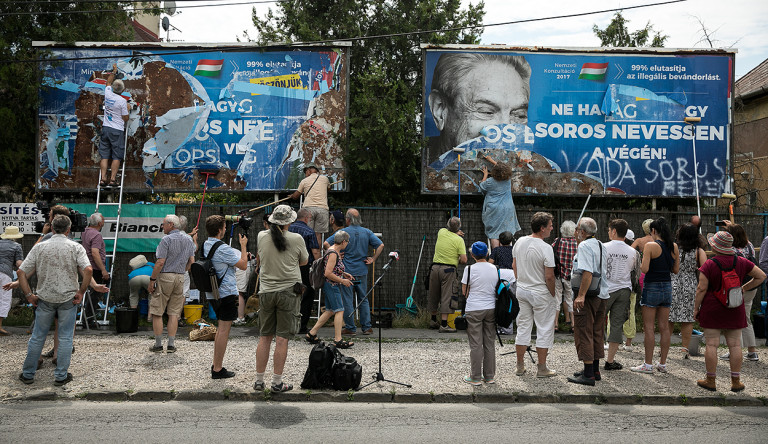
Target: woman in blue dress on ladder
499	213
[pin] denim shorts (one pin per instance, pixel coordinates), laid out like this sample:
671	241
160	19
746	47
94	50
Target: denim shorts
333	301
656	294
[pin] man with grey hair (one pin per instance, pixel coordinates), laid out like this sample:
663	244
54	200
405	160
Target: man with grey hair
356	261
93	243
450	251
473	90
565	248
192	238
589	264
175	255
57	263
112	144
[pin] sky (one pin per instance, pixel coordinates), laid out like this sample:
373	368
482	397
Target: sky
739	24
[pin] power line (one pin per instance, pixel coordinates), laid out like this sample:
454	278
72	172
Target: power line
351	39
91	11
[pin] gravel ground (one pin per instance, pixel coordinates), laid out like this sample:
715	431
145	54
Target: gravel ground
432	363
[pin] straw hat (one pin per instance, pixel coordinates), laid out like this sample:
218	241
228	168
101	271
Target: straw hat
722	243
11	232
283	215
137	262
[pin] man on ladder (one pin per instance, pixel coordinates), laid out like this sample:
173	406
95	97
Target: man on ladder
314	187
112	146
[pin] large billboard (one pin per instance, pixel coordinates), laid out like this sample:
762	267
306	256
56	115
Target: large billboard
255	117
575	121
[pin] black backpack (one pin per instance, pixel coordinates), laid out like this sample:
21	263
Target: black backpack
203	273
317	271
329	368
507	306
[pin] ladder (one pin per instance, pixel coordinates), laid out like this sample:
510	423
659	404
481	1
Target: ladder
111	255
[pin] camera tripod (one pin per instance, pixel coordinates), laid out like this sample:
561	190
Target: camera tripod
528	349
379	376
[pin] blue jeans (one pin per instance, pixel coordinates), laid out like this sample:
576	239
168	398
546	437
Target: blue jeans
348	294
44	314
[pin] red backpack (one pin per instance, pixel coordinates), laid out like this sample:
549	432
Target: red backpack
729	294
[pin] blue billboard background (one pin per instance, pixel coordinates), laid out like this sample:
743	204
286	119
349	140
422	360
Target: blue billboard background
254	117
612	121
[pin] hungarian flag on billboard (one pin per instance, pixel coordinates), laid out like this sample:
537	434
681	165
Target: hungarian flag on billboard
209	68
593	71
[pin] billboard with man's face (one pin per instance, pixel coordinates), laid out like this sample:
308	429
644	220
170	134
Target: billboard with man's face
254	118
575	122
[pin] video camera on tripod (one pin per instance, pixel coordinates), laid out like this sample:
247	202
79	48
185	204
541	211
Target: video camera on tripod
79	220
243	221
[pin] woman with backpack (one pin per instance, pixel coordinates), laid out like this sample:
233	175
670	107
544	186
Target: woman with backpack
684	282
334	277
660	260
744	248
479	287
711	306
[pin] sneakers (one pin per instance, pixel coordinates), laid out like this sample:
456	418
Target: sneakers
520	370
282	387
170	349
643	368
661	368
474	382
725	357
221	374
752	357
605	347
26	380
626	348
258	386
238	322
433	325
490	381
156	349
447	329
60	382
613	366
546	373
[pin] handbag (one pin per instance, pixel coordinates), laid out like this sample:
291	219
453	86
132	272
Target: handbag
594	286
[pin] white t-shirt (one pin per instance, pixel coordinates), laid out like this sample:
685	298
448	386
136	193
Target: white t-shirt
482	286
115	107
588	259
532	255
621	260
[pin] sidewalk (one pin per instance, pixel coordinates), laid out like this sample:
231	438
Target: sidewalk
107	366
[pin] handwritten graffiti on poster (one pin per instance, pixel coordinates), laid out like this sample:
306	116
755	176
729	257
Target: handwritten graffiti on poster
571	123
254	118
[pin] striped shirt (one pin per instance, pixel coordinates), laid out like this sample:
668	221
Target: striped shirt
176	248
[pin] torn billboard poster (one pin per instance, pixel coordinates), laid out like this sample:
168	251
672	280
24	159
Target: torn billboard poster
255	117
571	122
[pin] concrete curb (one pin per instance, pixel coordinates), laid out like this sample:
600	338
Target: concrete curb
718	400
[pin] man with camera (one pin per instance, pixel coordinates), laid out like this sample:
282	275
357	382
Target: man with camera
589	265
56	263
225	259
302	228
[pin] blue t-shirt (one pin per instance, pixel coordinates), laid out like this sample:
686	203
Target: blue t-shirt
146	270
360	240
224	260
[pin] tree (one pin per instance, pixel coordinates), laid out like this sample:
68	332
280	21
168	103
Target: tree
384	147
616	34
23	23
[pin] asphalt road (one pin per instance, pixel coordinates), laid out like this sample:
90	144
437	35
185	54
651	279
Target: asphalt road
202	422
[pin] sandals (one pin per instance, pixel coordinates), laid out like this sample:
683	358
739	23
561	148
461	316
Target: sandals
312	339
113	184
343	344
103	183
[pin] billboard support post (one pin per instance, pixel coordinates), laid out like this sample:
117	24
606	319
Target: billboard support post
459	151
693	121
